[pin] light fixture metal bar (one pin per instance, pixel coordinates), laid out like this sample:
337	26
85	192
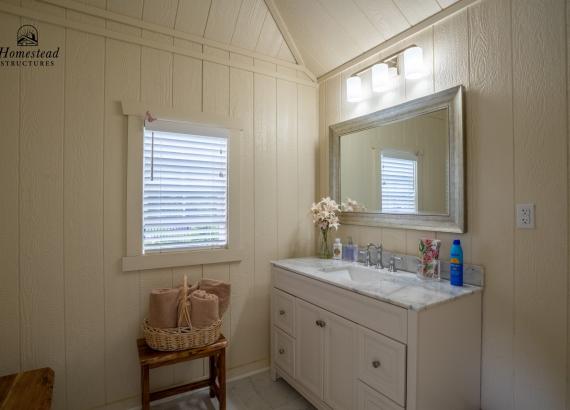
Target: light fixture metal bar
387	60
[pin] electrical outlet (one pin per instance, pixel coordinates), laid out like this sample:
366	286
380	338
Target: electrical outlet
525	216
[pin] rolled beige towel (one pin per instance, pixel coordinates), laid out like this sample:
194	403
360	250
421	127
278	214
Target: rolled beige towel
203	309
220	289
163	308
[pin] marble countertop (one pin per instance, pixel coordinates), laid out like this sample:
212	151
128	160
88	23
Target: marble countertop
401	288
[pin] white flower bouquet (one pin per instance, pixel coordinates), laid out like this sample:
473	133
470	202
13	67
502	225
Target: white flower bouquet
352	205
325	217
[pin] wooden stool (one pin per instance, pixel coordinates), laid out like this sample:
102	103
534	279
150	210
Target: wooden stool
28	390
150	359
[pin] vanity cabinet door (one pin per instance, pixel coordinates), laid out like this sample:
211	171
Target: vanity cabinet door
309	321
340	341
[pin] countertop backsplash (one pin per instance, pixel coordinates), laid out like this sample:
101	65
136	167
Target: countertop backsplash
472	274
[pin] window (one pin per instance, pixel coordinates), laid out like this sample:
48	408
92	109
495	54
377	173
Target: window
183	188
185	197
399	182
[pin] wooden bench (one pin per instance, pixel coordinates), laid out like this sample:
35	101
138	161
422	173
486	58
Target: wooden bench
27	390
150	359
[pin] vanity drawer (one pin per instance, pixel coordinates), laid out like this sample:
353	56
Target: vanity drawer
370	399
382	317
284	311
284	351
382	364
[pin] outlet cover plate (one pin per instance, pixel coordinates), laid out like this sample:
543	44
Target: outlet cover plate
525	216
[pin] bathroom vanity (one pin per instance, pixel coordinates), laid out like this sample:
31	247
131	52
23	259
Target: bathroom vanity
352	337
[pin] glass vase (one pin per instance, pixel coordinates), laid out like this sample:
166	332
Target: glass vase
325	249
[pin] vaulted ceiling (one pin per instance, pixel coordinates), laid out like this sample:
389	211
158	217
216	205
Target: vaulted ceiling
328	33
247	24
322	33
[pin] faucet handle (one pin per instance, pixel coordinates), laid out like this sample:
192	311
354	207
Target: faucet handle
394	259
368	255
392	264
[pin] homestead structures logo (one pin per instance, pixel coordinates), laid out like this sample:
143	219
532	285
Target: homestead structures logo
27	36
27	52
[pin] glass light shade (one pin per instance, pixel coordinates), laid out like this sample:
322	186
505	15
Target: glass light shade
414	63
381	78
353	89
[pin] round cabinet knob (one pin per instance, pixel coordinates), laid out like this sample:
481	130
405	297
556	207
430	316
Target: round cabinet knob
281	312
321	323
376	364
281	351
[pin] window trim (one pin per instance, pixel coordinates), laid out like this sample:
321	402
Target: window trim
134	258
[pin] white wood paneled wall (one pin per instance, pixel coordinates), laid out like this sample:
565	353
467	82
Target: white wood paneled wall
510	54
64	300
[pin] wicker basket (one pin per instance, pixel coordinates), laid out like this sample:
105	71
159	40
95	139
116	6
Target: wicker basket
180	338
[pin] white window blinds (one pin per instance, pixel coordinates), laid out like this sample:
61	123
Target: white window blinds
398	176
185	192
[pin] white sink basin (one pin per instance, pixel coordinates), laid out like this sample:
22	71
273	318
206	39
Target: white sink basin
356	276
355	273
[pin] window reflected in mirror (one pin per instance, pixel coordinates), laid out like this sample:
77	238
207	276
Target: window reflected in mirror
400	167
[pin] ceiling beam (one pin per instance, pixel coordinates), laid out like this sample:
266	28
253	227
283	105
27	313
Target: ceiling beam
274	11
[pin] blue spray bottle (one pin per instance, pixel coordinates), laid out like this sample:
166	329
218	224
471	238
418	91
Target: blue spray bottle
456	264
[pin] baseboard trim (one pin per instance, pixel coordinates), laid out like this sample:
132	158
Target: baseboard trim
248	370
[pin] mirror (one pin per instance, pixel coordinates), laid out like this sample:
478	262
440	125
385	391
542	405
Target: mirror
398	167
402	167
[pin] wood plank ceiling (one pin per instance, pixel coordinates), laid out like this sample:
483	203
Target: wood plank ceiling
328	33
247	24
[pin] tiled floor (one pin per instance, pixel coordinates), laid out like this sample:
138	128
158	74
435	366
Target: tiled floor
257	392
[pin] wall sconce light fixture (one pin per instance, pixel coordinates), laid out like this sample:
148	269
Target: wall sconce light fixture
414	62
385	71
354	89
383	77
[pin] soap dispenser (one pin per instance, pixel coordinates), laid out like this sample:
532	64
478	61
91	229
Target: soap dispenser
337	249
348	251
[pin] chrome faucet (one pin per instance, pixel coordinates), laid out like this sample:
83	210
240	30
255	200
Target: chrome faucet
392	264
379	262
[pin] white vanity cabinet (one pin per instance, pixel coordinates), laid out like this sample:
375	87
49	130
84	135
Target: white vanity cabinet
346	351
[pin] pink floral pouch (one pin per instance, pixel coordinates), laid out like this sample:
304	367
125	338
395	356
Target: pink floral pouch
429	266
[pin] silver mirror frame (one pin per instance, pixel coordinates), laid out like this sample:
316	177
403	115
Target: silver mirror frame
454	221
